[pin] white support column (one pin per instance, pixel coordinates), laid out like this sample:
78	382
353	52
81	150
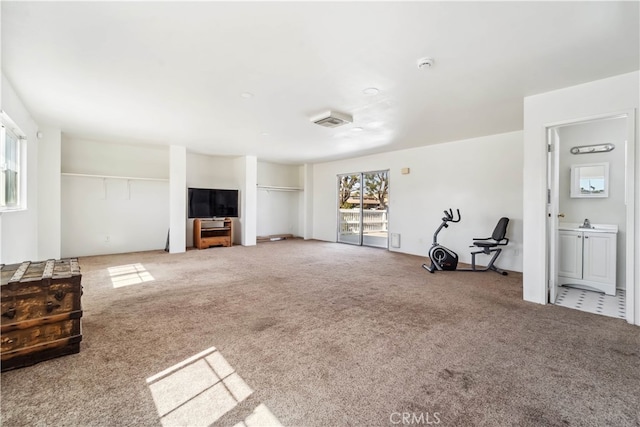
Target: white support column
250	201
247	175
49	193
308	202
177	199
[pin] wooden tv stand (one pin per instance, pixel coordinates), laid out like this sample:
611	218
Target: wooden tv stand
212	232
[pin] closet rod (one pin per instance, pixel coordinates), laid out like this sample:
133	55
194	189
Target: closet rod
276	188
113	177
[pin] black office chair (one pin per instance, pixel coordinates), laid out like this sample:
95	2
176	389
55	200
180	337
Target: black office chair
490	244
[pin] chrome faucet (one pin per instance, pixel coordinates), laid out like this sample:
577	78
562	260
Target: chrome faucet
586	224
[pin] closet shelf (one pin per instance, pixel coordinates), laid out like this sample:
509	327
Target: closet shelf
129	178
277	188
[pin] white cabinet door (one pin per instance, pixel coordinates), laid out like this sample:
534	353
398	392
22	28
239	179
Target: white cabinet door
600	257
570	254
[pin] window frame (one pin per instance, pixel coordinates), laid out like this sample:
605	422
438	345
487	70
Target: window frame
10	128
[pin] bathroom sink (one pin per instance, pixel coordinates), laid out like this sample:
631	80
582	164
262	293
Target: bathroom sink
595	228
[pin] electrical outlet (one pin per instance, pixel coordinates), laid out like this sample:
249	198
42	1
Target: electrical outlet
516	251
107	238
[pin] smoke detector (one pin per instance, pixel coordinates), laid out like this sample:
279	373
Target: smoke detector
332	119
425	63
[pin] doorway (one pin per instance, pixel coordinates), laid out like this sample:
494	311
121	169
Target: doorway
363	209
590	215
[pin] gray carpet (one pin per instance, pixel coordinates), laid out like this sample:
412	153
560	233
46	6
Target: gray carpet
324	334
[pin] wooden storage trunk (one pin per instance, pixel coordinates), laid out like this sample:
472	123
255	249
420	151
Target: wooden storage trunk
40	311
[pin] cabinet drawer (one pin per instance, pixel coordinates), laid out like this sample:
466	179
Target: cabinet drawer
216	240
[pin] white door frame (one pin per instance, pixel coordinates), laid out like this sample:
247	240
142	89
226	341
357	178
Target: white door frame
553	206
632	291
361	238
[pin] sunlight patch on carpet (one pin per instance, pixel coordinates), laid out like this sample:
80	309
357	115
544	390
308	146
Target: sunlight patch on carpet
201	389
261	417
130	274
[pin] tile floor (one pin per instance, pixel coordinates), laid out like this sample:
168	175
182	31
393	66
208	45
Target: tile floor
593	302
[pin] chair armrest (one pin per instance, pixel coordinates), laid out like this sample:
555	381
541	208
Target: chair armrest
506	242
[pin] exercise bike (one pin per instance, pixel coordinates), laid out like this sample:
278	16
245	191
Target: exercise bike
444	259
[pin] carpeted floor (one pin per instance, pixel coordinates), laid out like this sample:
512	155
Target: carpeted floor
324	334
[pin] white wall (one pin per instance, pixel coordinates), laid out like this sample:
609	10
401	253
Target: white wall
481	176
19	230
609	210
49	196
601	97
205	171
278	211
105	216
114	159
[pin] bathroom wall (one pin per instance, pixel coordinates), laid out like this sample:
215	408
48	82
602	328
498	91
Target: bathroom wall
608	210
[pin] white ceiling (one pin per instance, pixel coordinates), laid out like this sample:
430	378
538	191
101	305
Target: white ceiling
174	72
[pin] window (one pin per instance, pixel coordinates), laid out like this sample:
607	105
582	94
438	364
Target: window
11	157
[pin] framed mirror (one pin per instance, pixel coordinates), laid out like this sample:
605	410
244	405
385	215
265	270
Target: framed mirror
590	180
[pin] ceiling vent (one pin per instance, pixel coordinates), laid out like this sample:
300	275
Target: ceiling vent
332	119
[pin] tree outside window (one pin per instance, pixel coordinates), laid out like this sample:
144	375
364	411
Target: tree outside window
377	188
349	190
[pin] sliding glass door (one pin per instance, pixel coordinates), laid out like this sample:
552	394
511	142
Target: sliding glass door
349	206
363	207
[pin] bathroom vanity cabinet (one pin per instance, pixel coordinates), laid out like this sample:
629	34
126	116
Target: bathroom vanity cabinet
587	257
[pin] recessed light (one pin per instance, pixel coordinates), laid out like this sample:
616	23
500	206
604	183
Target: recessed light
265	134
357	129
246	95
371	91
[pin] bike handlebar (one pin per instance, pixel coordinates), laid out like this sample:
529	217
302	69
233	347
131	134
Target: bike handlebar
448	216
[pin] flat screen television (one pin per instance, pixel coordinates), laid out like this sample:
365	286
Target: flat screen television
212	203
